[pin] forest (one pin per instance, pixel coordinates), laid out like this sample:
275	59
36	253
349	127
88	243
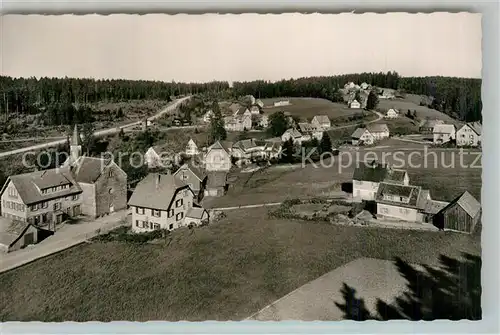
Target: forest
66	100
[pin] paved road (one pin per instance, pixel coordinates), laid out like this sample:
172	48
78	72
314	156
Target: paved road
380	117
64	238
98	133
245	206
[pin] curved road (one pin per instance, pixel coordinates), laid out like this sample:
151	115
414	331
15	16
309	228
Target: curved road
102	132
380	117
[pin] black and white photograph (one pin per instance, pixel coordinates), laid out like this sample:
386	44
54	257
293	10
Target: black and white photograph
240	167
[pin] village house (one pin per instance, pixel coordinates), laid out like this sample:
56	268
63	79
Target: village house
293	134
355	104
245	150
218	156
378	130
309	131
15	235
217	184
362	136
391	114
469	134
387	94
160	202
427	126
401	202
243	111
281	103
259	103
321	122
42	198
443	133
462	214
368	175
238	122
195	177
160	156
272	150
197	216
207	117
192	148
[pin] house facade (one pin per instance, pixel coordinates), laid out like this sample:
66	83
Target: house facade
392	114
366	179
42	198
255	110
400	202
281	103
217	184
192	148
293	134
310	131
427	126
194	177
469	134
362	136
218	157
321	122
355	104
379	131
197	216
443	133
238	122
160	202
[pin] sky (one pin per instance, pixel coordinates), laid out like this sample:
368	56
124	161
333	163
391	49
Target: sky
201	48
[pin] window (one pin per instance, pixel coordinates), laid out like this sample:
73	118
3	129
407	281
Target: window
156	213
34	207
401	199
171	226
156	226
170	213
12	192
74	197
178	203
179	216
110	173
45	204
54	189
44	218
139	210
151	225
137	223
145	224
57	206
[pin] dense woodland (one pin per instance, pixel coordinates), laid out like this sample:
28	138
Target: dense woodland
66	101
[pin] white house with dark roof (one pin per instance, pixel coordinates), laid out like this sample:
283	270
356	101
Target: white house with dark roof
192	148
293	134
401	202
254	110
355	104
392	114
160	202
309	131
470	134
218	156
42	198
443	133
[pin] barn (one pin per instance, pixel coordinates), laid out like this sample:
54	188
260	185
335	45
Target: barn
16	235
462	214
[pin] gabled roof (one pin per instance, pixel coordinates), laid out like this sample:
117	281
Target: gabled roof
395	176
221	145
468	203
412	192
272	146
370	171
443	129
322	119
191	142
156	191
358	132
28	184
88	169
12	230
377	128
393	110
476	127
305	127
247	144
196	212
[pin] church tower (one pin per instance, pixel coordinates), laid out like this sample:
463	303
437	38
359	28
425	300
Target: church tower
75	146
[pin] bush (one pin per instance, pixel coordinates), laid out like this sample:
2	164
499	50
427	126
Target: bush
123	234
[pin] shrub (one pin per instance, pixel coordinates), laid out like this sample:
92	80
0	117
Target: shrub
123	234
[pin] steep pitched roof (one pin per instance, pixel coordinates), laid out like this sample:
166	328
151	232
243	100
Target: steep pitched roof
322	119
443	129
293	132
221	145
370	171
28	185
88	169
156	191
246	144
377	128
358	132
305	127
469	204
476	127
12	230
194	168
412	192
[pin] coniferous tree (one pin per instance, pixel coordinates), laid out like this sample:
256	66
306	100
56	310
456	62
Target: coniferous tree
325	144
372	100
217	130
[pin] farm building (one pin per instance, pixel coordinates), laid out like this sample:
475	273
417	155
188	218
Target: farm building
402	202
427	126
392	114
443	133
362	136
217	184
282	103
197	216
379	131
15	235
366	179
321	122
470	134
355	104
238	122
293	134
461	214
245	150
309	131
194	176
218	156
